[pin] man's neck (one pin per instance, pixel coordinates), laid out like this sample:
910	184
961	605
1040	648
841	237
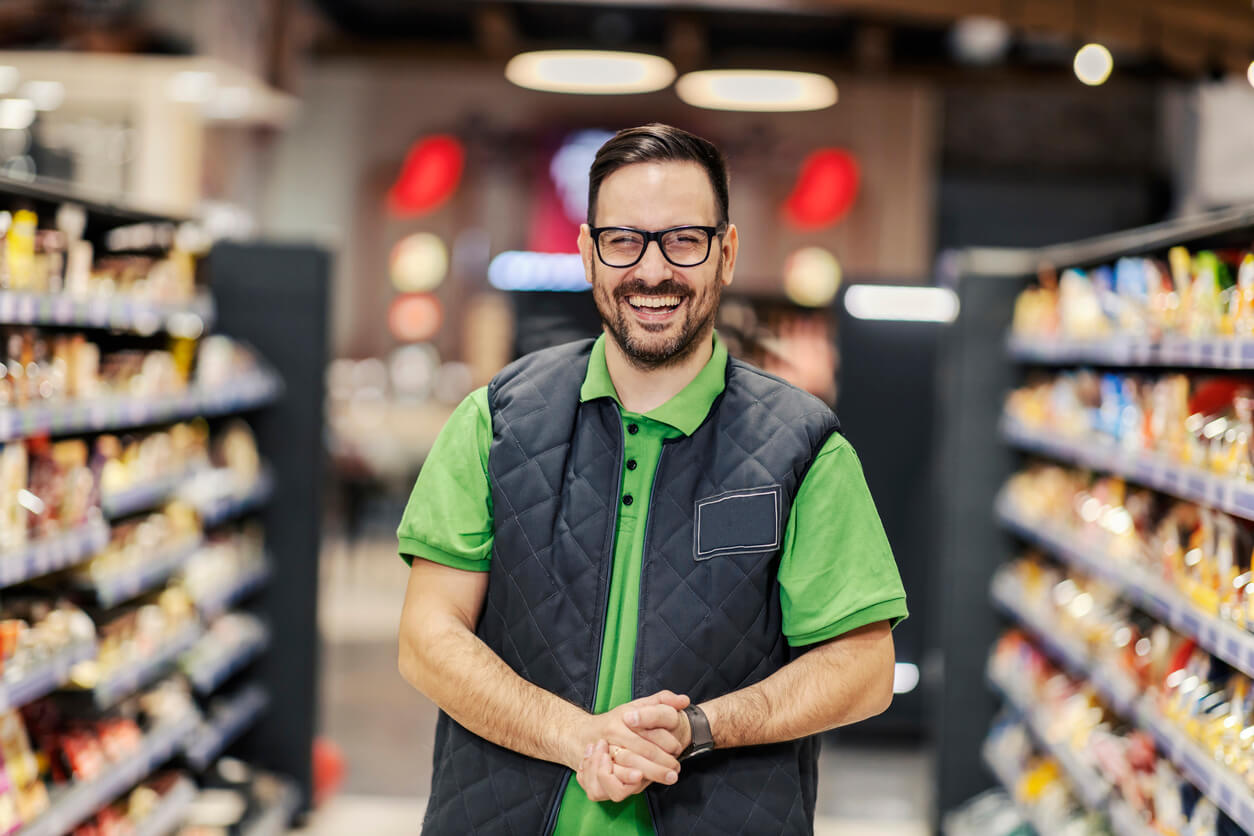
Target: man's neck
641	390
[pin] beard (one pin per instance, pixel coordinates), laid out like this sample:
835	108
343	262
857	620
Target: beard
648	345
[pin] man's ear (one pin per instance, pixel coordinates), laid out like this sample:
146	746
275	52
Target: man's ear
586	250
729	251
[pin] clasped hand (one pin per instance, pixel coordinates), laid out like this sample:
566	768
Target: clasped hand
631	746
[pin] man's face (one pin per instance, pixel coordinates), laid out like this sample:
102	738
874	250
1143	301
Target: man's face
658	313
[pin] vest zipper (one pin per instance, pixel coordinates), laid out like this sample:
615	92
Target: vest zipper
648	520
551	821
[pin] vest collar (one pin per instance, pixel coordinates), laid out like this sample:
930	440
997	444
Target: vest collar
686	411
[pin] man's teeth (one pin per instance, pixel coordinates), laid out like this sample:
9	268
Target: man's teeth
653	301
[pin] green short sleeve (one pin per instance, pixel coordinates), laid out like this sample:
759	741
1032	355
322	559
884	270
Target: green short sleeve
448	518
836	570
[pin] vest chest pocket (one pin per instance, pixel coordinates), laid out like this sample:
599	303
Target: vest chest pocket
737	522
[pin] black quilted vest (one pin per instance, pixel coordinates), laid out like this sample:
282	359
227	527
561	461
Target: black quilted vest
710	619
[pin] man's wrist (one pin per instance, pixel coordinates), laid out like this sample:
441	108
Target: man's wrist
700	737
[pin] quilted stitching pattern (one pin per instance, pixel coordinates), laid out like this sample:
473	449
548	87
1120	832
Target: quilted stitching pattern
554	469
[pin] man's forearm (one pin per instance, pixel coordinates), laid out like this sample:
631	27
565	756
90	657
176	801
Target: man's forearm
462	675
848	679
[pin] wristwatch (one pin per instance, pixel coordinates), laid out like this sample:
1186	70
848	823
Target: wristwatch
702	740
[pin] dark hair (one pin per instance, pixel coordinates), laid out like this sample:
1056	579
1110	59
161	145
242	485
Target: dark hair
656	142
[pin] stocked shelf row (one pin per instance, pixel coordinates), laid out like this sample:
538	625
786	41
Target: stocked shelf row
44	678
1086	784
1180	352
218	601
78	802
208	674
146	496
1007	777
170	811
228	721
114	588
117	312
247	392
1220	638
53	554
1228	791
1234	497
131	678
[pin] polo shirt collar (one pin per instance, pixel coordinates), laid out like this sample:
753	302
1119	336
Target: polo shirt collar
686	411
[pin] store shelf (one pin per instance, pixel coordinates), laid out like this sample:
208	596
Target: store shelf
1006	776
1218	783
1191	483
78	802
1086	783
170	812
127	681
1180	352
1116	691
207	676
44	678
111	590
220	600
228	722
1221	638
115	313
1227	790
52	554
216	509
147	496
273	820
111	413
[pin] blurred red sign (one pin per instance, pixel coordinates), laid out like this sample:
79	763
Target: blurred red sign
429	176
825	189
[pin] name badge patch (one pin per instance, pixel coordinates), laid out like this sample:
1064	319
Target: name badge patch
737	522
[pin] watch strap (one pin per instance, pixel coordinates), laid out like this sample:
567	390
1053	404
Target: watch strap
702	739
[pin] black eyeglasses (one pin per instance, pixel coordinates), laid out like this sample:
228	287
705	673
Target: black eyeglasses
683	246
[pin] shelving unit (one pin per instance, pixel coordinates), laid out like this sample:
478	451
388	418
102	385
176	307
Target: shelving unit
79	801
982	365
243	277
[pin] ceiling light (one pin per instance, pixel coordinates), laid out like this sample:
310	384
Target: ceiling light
758	90
812	277
45	95
979	40
1093	64
8	79
16	114
589	71
902	304
905	677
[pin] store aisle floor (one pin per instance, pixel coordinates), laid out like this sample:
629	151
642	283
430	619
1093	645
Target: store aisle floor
385	729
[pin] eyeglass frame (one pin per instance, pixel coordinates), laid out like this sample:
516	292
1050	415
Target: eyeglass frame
710	231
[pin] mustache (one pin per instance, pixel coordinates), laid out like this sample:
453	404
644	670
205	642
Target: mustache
637	287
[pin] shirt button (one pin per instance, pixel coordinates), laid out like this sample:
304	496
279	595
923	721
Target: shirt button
631	464
633	428
627	500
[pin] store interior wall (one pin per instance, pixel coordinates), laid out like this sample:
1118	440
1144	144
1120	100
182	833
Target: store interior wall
359	118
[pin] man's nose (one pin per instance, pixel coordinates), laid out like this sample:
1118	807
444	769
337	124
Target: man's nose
652	262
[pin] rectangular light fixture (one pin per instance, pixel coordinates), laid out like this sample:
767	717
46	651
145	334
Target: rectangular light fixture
902	303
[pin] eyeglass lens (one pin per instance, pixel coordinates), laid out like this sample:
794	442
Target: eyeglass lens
684	247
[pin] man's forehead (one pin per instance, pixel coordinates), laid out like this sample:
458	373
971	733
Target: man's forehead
679	182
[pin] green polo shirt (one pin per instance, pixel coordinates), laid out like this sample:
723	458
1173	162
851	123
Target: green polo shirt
836	570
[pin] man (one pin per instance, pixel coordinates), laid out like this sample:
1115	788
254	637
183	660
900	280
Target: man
649	575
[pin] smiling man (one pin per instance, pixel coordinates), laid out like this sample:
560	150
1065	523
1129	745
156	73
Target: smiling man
644	576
